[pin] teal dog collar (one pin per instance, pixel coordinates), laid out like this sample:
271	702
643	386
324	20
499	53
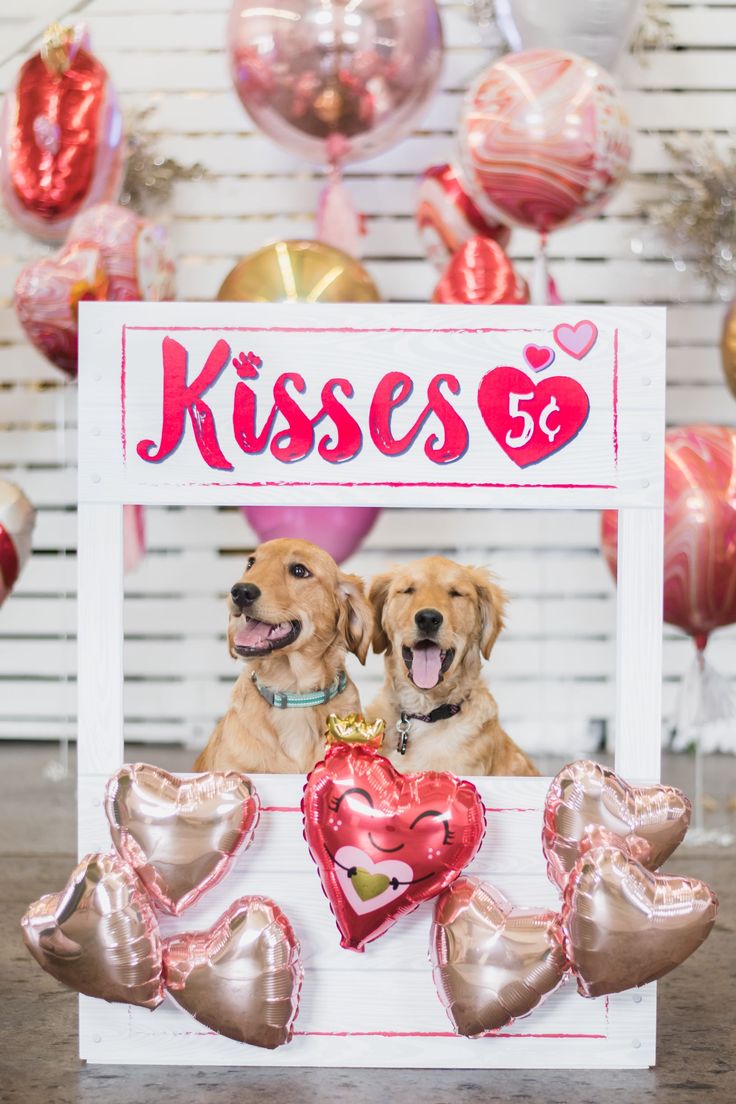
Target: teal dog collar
280	699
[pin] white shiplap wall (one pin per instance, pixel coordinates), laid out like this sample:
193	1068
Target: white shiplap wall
552	670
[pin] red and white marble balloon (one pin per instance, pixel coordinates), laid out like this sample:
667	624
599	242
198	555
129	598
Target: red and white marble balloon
17	518
446	216
544	139
61	136
699	530
111	255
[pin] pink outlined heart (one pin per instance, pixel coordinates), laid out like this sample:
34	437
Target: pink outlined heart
576	340
538	357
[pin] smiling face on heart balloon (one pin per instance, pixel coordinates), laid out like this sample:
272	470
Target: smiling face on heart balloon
384	841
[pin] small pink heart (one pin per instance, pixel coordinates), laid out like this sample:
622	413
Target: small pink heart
576	340
538	357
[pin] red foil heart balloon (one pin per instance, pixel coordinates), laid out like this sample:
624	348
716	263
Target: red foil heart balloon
651	820
112	254
17	518
623	926
383	841
446	216
492	963
99	935
532	419
180	836
61	136
481	273
243	977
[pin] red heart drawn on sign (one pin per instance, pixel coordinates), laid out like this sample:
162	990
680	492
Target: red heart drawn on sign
530	420
576	340
538	357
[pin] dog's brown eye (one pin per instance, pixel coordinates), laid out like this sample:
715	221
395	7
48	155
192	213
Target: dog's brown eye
455	594
299	571
409	590
251	561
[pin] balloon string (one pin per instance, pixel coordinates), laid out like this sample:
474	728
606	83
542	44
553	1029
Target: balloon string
540	276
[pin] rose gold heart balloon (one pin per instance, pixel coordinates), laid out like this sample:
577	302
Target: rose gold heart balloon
99	934
492	963
180	837
585	794
242	978
623	926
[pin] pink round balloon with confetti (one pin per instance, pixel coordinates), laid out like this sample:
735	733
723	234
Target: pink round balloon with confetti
544	139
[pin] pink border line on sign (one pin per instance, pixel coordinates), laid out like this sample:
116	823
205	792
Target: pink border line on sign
376	329
449	1034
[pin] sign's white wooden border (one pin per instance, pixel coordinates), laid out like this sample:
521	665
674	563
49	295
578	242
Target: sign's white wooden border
350	1012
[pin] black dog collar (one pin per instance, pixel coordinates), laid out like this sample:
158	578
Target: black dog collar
441	713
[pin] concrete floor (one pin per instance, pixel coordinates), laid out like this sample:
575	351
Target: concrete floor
38	1051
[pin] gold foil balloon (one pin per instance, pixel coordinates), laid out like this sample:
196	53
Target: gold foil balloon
491	963
181	837
242	978
299	272
99	934
651	820
623	926
728	348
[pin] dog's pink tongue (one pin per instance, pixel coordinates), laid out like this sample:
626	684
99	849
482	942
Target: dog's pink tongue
257	634
426	666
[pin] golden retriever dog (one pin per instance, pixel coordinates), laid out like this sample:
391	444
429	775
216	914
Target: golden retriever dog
293	617
434	619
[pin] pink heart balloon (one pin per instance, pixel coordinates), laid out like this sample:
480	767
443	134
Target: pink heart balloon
623	926
340	530
651	820
99	934
243	977
111	255
181	837
492	963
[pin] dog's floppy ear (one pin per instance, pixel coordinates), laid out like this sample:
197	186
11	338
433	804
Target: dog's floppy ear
355	620
377	596
491	605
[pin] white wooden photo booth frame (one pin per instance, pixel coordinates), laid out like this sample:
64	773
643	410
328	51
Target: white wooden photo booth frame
519	407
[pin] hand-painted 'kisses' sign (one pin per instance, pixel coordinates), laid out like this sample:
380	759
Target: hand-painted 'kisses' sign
386	403
529	419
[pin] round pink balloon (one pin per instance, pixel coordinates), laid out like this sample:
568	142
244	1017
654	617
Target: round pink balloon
544	139
338	529
699	529
331	81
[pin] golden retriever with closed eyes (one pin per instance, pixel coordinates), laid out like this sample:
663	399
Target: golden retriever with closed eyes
434	619
293	617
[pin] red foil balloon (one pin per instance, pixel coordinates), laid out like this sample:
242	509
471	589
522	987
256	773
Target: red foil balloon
61	137
446	216
699	530
481	273
383	841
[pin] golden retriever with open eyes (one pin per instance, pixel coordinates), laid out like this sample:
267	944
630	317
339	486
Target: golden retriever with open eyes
293	617
434	619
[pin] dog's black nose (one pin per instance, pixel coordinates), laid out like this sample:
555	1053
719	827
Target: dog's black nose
245	594
428	620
